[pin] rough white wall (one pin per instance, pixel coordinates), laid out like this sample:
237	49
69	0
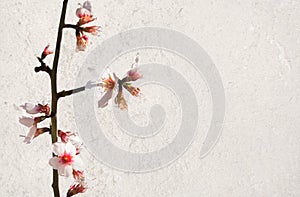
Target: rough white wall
255	46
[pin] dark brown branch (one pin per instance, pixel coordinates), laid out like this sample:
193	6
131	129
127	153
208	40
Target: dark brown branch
43	67
70	92
55	183
88	85
76	27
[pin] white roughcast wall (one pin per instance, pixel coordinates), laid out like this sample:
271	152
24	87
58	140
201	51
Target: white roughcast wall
255	46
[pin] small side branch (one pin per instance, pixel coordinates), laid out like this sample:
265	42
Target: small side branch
43	67
76	27
70	92
88	85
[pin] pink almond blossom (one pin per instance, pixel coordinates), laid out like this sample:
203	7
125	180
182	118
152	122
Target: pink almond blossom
134	91
82	42
133	75
121	102
30	122
84	13
69	136
84	10
35	109
40	131
86	19
76	188
78	175
109	83
46	52
87	5
94	30
64	136
66	159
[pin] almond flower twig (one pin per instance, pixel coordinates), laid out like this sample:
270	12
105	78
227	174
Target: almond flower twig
84	13
65	160
66	146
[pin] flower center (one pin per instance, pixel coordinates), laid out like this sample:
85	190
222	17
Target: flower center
109	83
66	158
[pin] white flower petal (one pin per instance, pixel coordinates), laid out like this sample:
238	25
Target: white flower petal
30	134
75	140
70	148
87	5
115	77
103	102
61	170
28	122
108	73
31	108
27	140
28	106
65	170
82	11
77	163
58	148
55	162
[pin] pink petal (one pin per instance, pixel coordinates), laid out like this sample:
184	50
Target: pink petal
28	122
75	140
115	76
87	5
55	162
58	148
70	148
30	134
31	108
80	12
104	100
65	170
77	163
134	74
81	42
28	106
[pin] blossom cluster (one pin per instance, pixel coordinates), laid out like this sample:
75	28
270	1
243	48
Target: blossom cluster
67	161
66	150
111	83
84	13
36	113
43	111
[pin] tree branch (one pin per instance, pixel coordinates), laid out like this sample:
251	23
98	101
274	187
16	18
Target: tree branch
55	184
43	67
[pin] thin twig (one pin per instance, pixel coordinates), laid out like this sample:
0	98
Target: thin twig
43	67
76	27
88	85
70	92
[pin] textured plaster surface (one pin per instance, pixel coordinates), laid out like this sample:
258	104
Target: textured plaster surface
254	44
